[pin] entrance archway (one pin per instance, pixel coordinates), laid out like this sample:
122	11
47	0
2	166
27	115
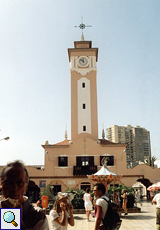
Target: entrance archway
146	183
85	185
55	189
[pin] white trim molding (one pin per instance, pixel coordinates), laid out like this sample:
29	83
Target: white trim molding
83	71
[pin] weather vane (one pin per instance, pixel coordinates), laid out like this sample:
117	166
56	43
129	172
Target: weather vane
82	26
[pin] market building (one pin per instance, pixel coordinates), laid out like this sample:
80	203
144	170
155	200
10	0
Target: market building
67	163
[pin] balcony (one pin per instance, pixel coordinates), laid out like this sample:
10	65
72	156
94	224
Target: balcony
84	170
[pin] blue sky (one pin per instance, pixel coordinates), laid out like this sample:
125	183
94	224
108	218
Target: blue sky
35	75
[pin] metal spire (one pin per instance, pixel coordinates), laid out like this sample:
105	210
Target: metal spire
66	134
103	133
82	26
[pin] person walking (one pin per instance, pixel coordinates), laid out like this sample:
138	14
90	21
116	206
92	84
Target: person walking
101	206
87	202
152	194
116	200
124	204
137	197
62	213
156	201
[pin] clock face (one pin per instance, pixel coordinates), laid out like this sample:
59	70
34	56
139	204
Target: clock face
83	61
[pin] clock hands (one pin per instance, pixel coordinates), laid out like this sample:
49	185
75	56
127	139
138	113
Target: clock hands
83	61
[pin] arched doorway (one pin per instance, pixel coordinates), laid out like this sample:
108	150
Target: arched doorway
146	183
85	185
55	189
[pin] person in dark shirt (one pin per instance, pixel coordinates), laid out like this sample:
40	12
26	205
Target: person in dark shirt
14	181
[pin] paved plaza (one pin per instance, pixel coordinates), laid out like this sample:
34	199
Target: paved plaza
143	220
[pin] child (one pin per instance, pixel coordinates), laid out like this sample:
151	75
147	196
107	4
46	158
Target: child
62	213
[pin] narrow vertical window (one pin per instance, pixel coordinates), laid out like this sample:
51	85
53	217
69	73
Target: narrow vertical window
83	85
84	106
84	128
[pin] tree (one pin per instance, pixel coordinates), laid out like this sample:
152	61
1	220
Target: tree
47	192
150	161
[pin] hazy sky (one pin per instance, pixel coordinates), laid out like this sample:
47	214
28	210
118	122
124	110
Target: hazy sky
35	74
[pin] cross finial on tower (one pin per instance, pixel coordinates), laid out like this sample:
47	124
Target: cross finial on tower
82	26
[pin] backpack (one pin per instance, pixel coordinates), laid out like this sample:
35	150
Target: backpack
111	219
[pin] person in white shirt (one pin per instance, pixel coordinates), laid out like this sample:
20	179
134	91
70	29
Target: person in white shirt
156	201
87	202
62	213
101	205
137	197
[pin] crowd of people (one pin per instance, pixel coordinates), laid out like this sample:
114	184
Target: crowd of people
14	182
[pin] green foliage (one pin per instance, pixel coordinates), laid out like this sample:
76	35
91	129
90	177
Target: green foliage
153	159
92	193
47	192
150	161
130	190
77	202
77	193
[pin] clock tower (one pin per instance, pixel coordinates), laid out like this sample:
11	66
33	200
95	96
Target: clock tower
83	71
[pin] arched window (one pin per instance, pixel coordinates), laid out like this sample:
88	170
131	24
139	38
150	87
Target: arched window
85	185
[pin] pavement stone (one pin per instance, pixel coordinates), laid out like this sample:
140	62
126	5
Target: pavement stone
146	220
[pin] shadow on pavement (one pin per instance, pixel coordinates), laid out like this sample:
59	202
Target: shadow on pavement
78	218
138	217
144	212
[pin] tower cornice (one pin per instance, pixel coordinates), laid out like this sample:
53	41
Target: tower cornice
87	43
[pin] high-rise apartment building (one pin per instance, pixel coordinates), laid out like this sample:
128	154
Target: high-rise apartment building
137	138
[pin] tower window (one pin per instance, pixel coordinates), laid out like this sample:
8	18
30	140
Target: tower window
84	128
84	106
83	85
